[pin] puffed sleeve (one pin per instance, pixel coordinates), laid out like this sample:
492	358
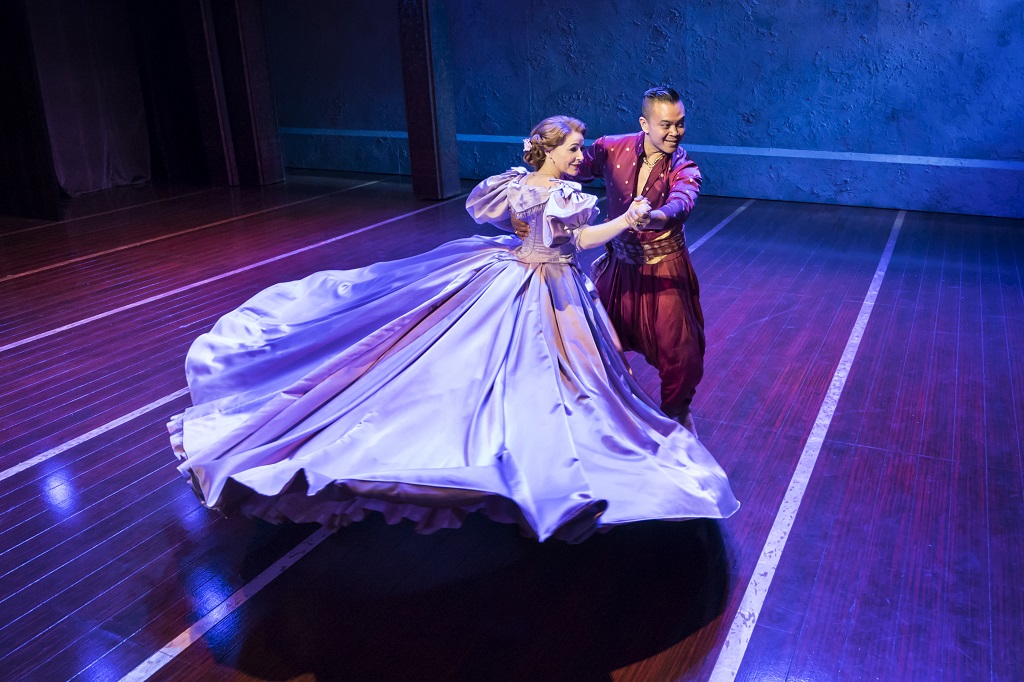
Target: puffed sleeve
488	202
568	209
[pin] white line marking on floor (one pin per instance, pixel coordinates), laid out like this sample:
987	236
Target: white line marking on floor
167	654
53	266
735	646
715	230
53	452
136	304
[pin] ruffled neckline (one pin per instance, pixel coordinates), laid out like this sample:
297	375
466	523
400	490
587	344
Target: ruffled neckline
559	183
529	192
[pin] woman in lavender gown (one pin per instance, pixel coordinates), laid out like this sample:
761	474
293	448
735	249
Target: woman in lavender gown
481	376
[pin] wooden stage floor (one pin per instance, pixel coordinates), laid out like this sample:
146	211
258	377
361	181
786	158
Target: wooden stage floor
864	390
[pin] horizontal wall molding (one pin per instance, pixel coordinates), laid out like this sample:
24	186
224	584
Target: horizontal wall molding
899	159
921	183
774	152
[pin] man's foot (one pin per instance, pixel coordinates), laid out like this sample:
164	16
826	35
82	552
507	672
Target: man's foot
688	424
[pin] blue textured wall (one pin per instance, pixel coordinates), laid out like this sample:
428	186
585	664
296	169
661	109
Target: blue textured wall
893	104
336	73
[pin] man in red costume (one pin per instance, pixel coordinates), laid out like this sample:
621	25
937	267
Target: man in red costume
645	278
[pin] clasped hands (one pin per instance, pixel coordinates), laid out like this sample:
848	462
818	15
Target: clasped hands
637	215
639	212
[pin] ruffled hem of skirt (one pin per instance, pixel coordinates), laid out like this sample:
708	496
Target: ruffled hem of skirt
342	503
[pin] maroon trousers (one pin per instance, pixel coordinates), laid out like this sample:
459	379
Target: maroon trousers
656	312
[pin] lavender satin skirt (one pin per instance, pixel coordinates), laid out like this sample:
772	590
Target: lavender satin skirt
455	381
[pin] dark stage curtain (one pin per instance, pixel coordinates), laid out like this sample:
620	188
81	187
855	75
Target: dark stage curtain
89	78
169	91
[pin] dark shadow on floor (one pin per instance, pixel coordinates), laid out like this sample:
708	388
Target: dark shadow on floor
481	603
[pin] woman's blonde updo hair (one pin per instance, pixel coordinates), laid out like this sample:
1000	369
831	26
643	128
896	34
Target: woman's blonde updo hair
547	135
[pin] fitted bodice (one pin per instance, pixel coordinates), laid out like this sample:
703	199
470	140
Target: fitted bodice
555	213
527	204
533	249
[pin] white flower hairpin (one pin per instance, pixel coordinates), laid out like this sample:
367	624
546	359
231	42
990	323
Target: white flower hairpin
527	145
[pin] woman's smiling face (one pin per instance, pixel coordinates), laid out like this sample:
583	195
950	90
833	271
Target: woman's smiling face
567	157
